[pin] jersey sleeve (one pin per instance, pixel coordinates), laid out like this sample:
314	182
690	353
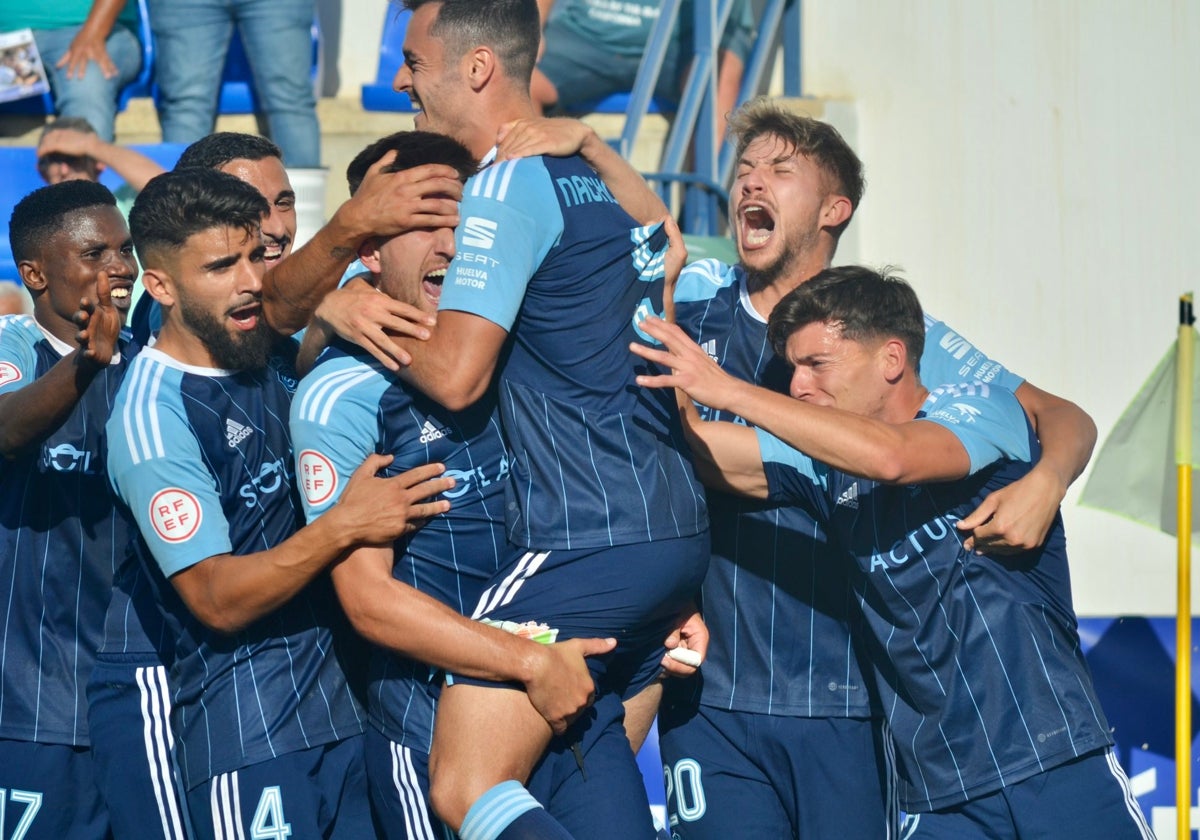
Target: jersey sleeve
334	424
988	421
510	221
792	476
170	492
18	359
950	359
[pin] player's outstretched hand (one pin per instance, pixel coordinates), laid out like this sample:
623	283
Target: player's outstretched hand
388	203
692	370
563	687
377	511
1015	518
360	313
687	645
555	136
99	324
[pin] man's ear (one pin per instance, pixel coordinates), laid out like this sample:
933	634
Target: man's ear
836	212
159	285
480	67
368	253
32	276
893	357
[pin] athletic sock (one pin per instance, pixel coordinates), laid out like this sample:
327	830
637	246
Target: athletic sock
509	812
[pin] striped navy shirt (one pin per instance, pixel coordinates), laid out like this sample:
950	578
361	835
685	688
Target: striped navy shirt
60	540
202	460
977	658
779	614
545	252
348	407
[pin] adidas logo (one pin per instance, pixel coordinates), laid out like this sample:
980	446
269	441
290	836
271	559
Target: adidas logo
710	347
430	432
235	433
849	497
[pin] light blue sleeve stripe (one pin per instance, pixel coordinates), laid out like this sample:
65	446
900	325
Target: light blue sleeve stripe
501	242
988	421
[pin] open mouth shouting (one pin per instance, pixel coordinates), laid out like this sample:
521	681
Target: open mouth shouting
246	316
431	284
757	225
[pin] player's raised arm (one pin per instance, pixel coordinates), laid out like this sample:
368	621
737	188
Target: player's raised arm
386	203
560	137
227	593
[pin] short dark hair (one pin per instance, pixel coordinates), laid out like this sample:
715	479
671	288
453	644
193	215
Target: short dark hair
814	139
81	162
413	148
512	28
216	150
866	304
39	215
179	204
73	123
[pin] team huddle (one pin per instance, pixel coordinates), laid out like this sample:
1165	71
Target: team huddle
413	532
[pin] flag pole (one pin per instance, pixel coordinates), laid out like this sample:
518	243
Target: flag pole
1185	351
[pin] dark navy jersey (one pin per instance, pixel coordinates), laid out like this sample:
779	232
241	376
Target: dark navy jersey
60	540
778	612
545	252
349	407
202	460
976	658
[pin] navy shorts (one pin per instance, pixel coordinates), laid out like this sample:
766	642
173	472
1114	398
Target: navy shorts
745	774
318	792
1083	799
588	780
398	777
632	593
50	792
129	715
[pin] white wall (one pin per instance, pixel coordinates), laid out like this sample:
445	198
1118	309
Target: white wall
1029	168
1030	165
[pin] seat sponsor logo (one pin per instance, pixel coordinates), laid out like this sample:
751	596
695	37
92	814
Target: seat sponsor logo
479	232
175	514
235	433
318	477
955	345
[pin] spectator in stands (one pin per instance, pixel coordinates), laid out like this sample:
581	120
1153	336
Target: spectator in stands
89	49
71	149
593	48
277	35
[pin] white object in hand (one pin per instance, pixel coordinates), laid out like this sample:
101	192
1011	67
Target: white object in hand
686	656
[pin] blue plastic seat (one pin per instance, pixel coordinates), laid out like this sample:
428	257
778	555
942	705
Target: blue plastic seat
238	95
19	177
378	95
43	105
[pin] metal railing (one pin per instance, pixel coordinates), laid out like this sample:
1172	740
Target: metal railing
696	125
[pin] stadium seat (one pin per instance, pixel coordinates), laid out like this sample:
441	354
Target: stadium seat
141	86
19	177
378	95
